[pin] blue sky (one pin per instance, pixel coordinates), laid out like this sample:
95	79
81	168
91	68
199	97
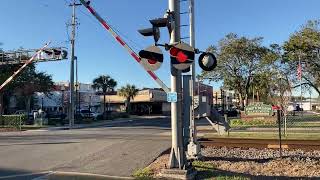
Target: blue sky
30	23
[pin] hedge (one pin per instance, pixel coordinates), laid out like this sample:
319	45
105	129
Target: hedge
12	121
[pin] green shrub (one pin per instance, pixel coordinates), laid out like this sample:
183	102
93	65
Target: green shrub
253	122
143	174
14	121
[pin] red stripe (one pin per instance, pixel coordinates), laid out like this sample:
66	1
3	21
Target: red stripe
120	40
91	10
105	25
152	75
135	57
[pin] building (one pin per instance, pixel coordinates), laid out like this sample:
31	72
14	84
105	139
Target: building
151	100
147	101
58	99
224	98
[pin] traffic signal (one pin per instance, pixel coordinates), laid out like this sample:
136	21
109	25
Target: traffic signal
151	58
156	24
154	31
207	61
182	56
52	54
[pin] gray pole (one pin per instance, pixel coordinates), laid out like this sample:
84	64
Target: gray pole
177	155
73	34
193	147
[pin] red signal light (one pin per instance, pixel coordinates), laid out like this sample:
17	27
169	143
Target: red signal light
152	61
174	51
179	54
181	57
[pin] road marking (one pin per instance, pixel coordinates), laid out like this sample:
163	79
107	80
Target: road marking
74	174
44	177
27	174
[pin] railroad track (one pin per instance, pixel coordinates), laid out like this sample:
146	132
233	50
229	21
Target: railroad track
261	143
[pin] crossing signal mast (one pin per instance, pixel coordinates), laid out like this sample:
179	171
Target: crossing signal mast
182	57
23	55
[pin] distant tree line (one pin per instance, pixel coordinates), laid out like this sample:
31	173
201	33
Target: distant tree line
264	72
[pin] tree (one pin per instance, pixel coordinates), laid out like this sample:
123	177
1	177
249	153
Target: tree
31	81
104	83
24	85
304	45
128	92
240	59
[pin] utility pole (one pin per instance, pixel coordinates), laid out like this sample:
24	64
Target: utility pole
177	153
73	34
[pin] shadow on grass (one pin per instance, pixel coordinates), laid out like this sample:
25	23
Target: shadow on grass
209	173
206	170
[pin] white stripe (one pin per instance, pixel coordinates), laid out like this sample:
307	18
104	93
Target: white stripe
27	174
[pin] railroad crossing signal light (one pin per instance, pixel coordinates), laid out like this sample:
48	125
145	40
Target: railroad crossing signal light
182	56
151	58
207	61
154	31
52	54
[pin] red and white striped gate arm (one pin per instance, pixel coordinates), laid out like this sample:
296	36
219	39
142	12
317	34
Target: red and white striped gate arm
23	66
124	44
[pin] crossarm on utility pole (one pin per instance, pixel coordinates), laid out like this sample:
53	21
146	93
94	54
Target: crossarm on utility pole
124	44
22	67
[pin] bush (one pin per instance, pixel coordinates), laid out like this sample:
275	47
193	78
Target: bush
253	122
14	121
144	174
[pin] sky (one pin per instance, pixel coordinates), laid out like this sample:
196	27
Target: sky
31	23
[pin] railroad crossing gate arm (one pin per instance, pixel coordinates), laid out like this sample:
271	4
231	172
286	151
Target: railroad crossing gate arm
123	44
23	66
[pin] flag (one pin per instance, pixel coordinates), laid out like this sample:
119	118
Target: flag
299	71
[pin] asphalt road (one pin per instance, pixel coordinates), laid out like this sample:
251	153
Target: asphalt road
117	150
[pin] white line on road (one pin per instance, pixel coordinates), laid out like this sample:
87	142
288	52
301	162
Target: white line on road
27	174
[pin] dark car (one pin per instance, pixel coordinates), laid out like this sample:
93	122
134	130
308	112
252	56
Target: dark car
56	118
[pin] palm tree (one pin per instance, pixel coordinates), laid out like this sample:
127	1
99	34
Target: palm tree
105	84
128	92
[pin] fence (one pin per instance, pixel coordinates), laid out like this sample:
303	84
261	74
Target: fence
12	121
294	125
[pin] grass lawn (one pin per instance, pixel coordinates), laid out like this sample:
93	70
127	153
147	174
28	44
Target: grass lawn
208	171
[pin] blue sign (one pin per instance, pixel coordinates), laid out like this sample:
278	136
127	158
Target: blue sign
172	97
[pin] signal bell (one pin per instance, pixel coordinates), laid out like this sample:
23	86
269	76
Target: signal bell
207	61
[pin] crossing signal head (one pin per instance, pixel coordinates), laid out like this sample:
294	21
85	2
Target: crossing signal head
207	61
159	22
182	56
151	58
154	31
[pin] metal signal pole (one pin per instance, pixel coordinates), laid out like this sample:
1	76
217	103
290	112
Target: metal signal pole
177	153
193	146
72	93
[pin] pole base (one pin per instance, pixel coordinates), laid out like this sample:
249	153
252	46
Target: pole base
185	174
193	151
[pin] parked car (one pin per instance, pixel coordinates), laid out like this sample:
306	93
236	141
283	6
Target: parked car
56	118
86	113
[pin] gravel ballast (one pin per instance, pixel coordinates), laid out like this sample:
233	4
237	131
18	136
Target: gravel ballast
264	162
256	162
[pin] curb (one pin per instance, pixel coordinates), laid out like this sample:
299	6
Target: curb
61	175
